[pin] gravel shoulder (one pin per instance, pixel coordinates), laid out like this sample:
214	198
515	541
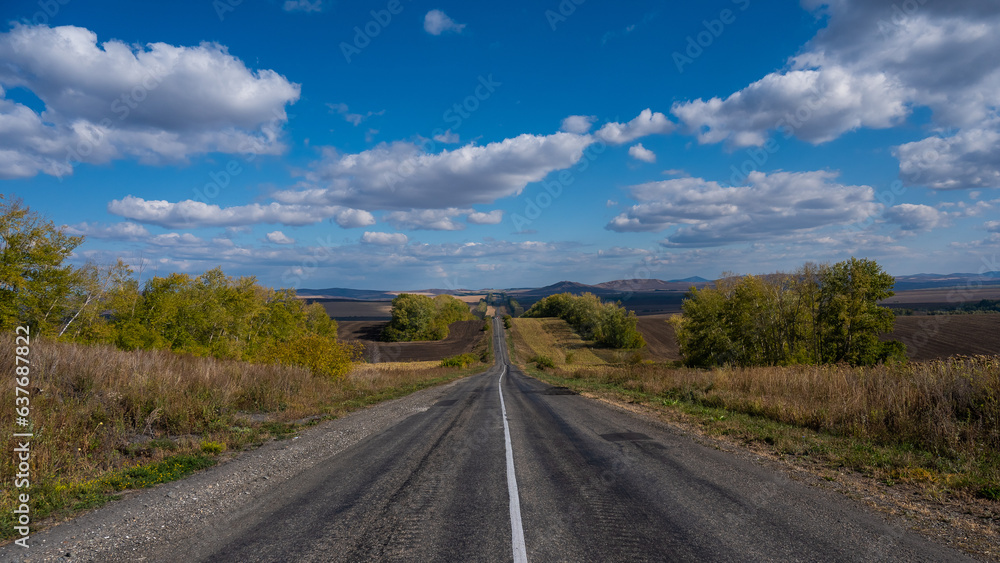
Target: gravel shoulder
148	525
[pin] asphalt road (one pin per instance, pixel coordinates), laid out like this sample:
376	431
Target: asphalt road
593	483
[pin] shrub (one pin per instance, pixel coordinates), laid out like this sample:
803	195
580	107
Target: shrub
210	447
460	361
543	362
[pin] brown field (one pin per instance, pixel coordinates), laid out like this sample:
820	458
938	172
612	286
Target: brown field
940	298
463	337
354	309
929	337
661	340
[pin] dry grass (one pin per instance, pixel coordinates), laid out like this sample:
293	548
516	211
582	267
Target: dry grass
554	339
97	411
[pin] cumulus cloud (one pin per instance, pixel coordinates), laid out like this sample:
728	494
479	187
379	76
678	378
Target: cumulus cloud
353	218
427	219
401	176
492	218
640	152
278	237
968	159
813	105
156	103
579	124
124	231
437	22
705	213
915	218
193	214
385	239
646	123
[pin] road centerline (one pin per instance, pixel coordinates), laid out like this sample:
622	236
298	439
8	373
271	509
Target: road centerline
516	528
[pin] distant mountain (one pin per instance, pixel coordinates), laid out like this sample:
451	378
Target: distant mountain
343	293
638	285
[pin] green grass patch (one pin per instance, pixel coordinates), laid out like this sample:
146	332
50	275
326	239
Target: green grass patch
61	499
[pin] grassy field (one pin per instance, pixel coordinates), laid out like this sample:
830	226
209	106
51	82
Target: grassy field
934	424
554	339
106	420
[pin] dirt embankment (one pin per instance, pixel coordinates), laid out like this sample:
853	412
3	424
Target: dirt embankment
463	337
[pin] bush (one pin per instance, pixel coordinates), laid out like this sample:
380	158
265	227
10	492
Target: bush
507	320
543	362
210	447
460	361
323	356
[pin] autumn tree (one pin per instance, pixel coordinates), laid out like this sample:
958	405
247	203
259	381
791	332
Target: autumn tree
35	284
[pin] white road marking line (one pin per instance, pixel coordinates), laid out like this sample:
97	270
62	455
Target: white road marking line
516	530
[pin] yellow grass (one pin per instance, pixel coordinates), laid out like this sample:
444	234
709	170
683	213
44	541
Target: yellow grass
555	339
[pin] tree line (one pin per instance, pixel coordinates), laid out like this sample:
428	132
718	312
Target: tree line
609	324
815	315
208	315
420	317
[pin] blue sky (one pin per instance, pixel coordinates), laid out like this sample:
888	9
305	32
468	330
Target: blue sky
404	145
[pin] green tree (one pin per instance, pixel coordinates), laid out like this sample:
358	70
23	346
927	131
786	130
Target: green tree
35	285
850	317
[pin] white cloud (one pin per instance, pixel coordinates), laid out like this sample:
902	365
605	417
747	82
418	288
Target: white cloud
278	237
385	239
125	231
705	213
492	218
303	6
646	123
176	239
352	218
579	124
813	105
447	137
402	176
992	226
915	218
354	119
156	103
193	214
427	219
640	152
968	159
437	22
